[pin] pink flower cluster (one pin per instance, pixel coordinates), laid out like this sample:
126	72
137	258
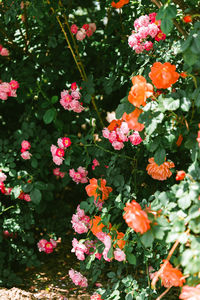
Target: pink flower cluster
80	222
95	164
145	26
59	152
70	99
81	249
45	246
80	176
8	89
86	30
25	154
3	51
118	136
57	173
119	133
78	278
106	240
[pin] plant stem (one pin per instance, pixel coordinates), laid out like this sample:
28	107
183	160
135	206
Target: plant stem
164	293
6	209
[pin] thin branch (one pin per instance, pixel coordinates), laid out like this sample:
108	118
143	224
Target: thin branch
164	293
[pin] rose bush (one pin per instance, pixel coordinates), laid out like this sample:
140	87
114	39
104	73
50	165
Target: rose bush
123	127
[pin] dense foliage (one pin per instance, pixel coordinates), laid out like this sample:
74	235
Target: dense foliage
100	120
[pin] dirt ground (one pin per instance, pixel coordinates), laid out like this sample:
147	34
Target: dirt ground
50	280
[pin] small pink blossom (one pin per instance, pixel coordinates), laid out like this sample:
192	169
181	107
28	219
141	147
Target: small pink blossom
143	21
81	34
132	41
143	32
48	248
117	145
2	177
58	160
78	278
135	138
27	197
74	29
153	30
14	84
79	249
148	45
26	155
41	245
80	222
92	27
25	145
80	176
119	255
4	52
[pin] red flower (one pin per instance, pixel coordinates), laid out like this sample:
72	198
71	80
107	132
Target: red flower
163	75
187	19
60	152
180	175
171	276
136	218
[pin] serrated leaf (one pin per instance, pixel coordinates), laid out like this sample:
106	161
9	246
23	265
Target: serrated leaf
147	239
166	25
171	103
159	156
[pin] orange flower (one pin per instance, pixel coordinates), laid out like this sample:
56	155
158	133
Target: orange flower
163	75
190	292
95	228
120	242
132	120
187	19
179	141
136	218
102	191
171	276
114	125
119	4
161	172
140	91
183	74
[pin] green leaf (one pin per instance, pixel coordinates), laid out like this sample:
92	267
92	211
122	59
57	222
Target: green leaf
26	188
16	191
171	103
124	107
160	156
184	202
166	25
34	162
110	253
49	115
84	205
147	239
54	99
171	11
36	196
131	258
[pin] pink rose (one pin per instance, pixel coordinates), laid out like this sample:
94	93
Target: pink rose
26	155
81	34
74	29
119	255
